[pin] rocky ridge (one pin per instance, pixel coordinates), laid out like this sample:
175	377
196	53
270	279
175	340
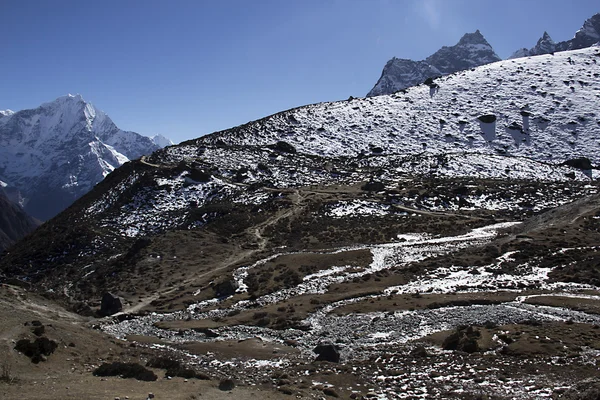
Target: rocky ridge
472	50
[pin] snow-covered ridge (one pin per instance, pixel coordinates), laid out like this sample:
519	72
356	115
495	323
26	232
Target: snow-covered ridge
61	149
543	108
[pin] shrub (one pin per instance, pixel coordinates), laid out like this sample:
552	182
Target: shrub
126	370
36	350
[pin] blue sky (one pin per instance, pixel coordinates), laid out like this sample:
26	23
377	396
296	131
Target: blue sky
185	68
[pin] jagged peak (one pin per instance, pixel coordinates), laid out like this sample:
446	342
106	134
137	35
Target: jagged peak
590	28
473	38
545	39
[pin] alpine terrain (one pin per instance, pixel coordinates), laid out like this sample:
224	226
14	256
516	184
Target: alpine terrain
439	242
55	153
588	35
471	51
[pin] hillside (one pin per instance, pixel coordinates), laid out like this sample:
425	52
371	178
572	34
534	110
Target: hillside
15	224
411	245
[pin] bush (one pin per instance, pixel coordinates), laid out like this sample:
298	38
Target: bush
36	350
175	368
126	370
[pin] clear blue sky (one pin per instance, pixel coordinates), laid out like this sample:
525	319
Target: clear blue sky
185	68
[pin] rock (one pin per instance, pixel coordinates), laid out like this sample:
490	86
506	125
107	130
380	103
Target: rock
419	352
487	119
284	147
226	384
39	330
226	287
582	163
587	389
373	186
327	352
463	339
110	304
330	392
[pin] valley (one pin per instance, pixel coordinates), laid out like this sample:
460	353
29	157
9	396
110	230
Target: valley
439	242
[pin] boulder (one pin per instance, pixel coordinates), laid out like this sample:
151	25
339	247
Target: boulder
110	304
463	339
487	118
327	352
225	287
226	384
582	163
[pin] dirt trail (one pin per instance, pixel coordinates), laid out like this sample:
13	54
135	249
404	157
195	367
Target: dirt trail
234	259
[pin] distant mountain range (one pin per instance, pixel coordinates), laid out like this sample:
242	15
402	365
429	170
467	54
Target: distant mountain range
588	35
472	50
53	154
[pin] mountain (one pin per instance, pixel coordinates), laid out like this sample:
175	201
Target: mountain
14	222
472	50
452	223
545	45
524	119
55	153
161	141
587	36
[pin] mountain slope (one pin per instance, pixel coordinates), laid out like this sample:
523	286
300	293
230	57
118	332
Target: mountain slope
14	222
512	120
542	108
471	51
55	153
374	232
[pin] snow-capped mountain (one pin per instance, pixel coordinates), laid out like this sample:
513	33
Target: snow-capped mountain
57	152
586	36
529	122
471	51
162	141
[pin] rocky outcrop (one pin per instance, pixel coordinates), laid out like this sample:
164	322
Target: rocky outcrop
110	304
471	51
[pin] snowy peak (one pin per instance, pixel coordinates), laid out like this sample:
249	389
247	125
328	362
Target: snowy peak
57	152
162	141
472	50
